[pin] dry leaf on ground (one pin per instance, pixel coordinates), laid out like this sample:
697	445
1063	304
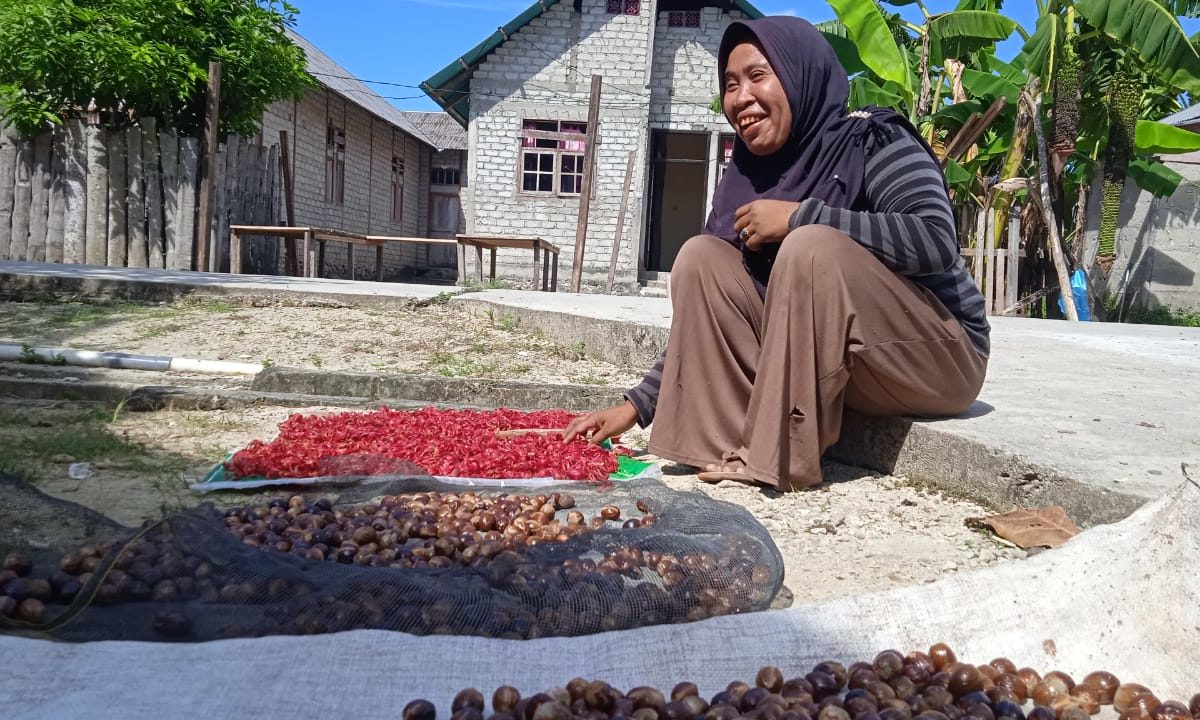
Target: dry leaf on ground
1044	527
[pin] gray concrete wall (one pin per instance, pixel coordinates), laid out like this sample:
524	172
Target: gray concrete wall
1158	243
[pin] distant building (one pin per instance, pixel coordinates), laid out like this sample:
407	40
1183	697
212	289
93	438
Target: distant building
523	93
360	164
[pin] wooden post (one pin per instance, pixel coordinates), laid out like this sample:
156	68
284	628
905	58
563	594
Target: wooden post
137	254
310	255
118	191
616	248
22	199
189	158
235	252
40	205
1014	258
291	266
212	110
585	198
152	179
168	148
75	200
54	223
8	165
95	237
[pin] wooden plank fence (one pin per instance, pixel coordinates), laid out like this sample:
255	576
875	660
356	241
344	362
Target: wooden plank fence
127	197
995	269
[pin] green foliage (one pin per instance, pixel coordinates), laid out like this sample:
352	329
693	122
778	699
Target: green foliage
146	58
1159	138
1154	177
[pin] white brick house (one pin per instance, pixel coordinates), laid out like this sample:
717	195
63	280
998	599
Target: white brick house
361	165
658	62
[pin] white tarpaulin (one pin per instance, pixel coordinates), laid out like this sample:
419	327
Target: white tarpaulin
1122	597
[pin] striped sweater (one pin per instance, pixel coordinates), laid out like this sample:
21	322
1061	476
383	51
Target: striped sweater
911	230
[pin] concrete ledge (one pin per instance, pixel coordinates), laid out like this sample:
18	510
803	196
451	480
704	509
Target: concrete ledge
479	392
617	329
24	281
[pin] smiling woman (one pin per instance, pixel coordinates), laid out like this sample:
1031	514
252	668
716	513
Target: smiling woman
828	276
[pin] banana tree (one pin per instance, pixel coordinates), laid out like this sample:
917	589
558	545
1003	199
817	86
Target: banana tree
1127	45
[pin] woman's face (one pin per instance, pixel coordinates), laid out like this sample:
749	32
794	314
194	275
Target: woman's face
754	100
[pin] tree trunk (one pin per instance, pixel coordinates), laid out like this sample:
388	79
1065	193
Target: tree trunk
1034	99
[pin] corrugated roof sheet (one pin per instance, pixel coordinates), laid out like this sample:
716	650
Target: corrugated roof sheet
443	130
1186	116
342	81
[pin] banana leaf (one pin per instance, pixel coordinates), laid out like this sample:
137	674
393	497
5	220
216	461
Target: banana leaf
1154	177
1039	51
985	85
869	31
955	34
847	52
1157	138
1153	32
864	91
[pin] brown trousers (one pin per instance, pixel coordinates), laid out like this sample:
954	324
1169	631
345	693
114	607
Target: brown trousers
769	380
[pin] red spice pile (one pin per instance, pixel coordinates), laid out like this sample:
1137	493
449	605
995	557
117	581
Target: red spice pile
458	443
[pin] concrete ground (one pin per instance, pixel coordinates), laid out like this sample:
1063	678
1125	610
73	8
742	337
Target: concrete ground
1094	417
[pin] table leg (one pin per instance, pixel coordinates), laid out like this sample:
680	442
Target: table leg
235	252
350	257
320	259
479	263
546	286
554	274
309	257
537	261
378	263
492	274
462	263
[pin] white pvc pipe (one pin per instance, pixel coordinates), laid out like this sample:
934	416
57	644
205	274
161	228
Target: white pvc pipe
123	361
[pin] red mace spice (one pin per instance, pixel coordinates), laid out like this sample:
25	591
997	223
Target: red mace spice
457	443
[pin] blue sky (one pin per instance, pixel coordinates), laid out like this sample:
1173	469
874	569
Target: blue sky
406	41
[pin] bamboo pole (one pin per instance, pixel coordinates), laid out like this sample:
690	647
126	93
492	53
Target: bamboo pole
39	209
95	234
57	201
1034	98
75	199
137	249
118	194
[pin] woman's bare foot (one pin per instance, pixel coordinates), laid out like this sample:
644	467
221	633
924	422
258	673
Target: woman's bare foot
732	467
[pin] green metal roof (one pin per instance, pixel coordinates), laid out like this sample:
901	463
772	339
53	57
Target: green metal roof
451	86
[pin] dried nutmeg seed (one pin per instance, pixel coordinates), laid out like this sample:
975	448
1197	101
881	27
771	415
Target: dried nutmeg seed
1194	705
646	697
1105	683
942	656
31	610
1128	694
505	699
610	512
964	678
769	678
420	710
1171	710
18	562
684	689
468	698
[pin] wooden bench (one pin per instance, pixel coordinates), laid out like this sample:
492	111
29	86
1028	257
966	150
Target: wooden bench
314	246
542	251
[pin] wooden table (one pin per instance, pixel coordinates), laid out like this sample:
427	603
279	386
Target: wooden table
542	251
314	246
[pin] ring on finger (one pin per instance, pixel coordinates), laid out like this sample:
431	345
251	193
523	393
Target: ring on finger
745	233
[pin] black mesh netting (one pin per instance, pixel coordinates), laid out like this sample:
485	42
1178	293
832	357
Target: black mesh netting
410	554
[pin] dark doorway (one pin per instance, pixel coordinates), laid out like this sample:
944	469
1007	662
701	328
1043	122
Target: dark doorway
677	194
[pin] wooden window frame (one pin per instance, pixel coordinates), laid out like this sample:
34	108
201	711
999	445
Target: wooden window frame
397	188
562	146
335	164
442	172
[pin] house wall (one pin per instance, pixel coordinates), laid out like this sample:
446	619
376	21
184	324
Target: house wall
528	77
370	145
1158	242
664	84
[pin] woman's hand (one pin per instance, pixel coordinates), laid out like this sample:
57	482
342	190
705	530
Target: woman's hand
602	425
763	221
